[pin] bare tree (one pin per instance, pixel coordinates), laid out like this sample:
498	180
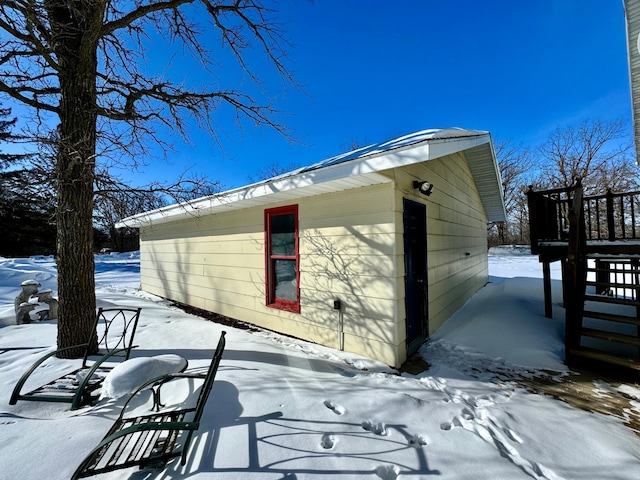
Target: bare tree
115	199
594	152
353	144
515	163
272	170
276	168
115	203
82	63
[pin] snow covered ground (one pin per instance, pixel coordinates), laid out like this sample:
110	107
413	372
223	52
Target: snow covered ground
287	409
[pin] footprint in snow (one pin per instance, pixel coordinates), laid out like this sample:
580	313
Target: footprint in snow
468	414
379	428
455	422
337	409
388	472
328	441
417	441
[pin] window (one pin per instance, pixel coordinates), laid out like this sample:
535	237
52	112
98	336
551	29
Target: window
282	261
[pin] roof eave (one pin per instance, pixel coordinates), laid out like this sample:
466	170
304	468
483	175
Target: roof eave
357	172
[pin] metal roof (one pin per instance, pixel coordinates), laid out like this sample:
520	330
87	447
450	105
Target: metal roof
354	169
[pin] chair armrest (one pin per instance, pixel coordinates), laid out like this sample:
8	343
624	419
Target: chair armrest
157	383
15	395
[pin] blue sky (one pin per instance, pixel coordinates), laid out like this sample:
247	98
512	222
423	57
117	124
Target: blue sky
372	70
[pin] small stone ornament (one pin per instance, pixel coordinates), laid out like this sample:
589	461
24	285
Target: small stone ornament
44	298
29	287
23	315
33	305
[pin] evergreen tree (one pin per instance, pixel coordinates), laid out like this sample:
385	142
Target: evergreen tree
27	220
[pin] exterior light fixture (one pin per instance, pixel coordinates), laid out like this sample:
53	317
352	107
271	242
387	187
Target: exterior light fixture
423	187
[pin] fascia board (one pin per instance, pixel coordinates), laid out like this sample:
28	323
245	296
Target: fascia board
366	165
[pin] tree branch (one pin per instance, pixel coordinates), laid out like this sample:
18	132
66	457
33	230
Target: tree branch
141	12
17	94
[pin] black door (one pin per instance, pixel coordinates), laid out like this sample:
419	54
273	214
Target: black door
415	264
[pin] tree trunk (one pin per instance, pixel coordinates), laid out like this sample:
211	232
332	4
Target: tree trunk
76	50
502	233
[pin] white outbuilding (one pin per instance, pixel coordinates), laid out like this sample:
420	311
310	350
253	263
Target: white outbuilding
369	251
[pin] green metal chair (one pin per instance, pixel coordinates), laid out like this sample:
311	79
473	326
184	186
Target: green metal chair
116	328
151	440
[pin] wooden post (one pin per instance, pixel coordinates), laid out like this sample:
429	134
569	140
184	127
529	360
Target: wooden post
563	263
533	220
603	277
546	278
611	225
576	272
635	268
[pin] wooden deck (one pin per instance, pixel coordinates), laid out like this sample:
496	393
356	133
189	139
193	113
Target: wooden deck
597	241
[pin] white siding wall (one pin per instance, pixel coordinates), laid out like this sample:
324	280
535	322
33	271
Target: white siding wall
347	252
351	249
456	231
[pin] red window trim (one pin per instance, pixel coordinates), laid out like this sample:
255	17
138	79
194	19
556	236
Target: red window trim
269	259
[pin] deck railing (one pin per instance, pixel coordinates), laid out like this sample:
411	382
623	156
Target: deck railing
608	217
613	216
548	215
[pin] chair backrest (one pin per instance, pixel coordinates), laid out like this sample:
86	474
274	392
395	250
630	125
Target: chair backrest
210	377
204	394
116	328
